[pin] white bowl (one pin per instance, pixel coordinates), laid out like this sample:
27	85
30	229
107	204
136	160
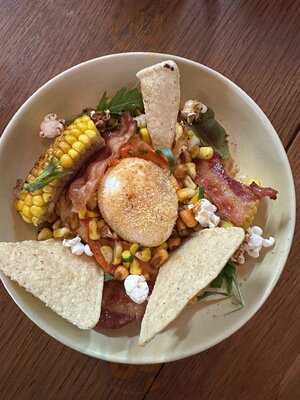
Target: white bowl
257	149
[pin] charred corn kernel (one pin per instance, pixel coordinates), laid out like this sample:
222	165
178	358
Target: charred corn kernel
189	183
26	211
82	214
180	171
61	233
195	151
74	154
92	203
38	200
56	225
58	153
84	139
226	224
181	228
121	273
206	153
65	152
47	197
28	200
107	253
185	194
134	248
174	242
117	254
144	255
179	130
70	139
45	234
19	205
64	146
78	146
191	169
37	211
66	161
135	268
145	135
93	230
188	218
91	214
127	256
160	256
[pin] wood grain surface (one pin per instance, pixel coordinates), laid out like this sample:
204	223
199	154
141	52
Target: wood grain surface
255	43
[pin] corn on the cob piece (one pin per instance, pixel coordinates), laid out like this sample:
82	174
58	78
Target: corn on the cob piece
45	182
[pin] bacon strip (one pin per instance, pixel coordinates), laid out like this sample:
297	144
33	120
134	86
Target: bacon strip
117	308
83	188
235	201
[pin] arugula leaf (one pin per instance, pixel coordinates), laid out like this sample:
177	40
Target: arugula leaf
124	100
227	275
50	173
211	293
201	192
168	154
212	133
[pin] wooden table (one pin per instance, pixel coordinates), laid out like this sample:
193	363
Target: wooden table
254	43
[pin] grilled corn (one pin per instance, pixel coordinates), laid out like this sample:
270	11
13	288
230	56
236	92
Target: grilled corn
36	199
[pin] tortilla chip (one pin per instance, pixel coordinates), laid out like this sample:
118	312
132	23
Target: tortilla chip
190	269
70	285
161	96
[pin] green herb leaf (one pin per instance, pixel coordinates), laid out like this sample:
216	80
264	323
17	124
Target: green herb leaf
212	133
212	293
168	154
50	173
201	192
124	100
108	277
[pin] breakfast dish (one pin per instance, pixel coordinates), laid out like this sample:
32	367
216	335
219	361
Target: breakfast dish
136	201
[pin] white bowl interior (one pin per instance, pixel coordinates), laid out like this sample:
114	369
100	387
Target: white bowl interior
257	149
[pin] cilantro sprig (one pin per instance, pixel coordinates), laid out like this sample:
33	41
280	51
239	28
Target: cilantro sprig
130	100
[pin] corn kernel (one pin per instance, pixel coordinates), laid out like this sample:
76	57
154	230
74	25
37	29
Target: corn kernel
163	245
54	183
70	139
134	248
91	125
92	214
117	253
107	253
195	151
26	211
36	221
82	214
144	133
144	255
48	189
93	230
47	197
160	256
28	199
56	225
37	211
61	233
226	224
206	153
188	218
121	273
195	199
91	133
76	132
80	147
45	234
248	181
185	194
26	219
22	195
85	118
64	146
135	268
19	205
37	200
191	169
85	140
189	183
66	161
126	264
81	126
73	154
179	130
127	256
58	153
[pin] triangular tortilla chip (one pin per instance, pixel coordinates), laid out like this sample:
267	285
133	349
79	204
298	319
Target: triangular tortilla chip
70	285
161	96
190	269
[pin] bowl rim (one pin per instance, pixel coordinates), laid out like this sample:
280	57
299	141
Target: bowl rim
234	327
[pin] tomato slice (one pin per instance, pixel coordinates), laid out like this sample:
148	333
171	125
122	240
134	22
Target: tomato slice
138	148
95	247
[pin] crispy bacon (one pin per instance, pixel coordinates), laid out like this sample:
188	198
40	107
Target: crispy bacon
83	188
235	201
117	308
